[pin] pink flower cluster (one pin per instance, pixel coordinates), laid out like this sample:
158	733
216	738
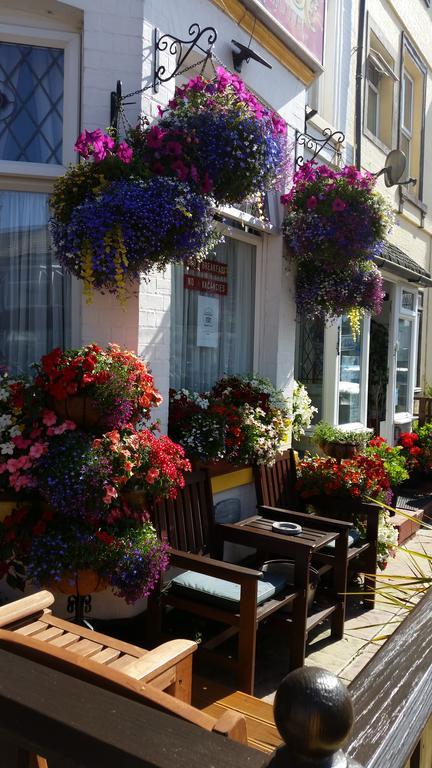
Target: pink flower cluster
99	145
28	449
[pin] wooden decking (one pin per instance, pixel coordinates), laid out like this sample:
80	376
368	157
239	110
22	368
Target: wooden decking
215	699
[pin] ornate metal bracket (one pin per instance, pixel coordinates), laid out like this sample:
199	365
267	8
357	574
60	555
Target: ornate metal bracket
202	39
317	145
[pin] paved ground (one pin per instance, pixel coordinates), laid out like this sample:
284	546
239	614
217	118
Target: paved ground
364	631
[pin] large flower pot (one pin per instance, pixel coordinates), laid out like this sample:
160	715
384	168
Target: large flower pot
85	582
216	466
340	451
136	499
80	409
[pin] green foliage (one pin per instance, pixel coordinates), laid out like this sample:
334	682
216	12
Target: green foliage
326	433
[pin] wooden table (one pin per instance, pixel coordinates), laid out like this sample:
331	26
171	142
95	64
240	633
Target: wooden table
256	531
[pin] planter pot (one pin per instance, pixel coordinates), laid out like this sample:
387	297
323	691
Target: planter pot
216	466
136	499
85	582
340	450
80	409
8	504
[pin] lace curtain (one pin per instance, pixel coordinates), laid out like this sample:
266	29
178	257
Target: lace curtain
197	367
34	293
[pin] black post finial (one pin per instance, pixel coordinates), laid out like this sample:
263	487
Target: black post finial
116	97
314	714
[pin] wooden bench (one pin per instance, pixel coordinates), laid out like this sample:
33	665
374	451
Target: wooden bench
168	667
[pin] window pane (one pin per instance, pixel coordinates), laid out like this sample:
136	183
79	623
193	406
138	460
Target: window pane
34	294
349	374
31	103
408	300
372	111
405	146
310	359
402	364
407	103
212	317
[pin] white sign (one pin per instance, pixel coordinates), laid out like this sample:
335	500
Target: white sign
208	321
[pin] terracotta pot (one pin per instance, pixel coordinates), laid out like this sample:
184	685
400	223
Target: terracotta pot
80	409
136	499
84	582
340	450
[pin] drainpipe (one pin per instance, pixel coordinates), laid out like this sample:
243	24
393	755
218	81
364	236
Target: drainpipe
359	84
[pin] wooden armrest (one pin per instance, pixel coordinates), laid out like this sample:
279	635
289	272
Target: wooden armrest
312	521
210	567
160	659
26	606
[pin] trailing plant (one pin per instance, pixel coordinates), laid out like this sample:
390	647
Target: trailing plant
218	137
335	224
113	219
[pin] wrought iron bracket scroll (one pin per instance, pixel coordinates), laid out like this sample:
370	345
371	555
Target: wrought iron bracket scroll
316	145
201	39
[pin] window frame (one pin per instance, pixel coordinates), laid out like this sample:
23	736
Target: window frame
371	85
257	240
388	71
70	43
407	48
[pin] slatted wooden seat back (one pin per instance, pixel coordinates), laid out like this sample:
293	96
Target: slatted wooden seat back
230	724
168	667
187	523
275	484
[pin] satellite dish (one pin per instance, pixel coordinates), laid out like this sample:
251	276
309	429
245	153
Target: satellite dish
394	167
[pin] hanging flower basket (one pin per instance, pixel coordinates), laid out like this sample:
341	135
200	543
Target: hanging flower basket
217	136
335	225
113	220
80	409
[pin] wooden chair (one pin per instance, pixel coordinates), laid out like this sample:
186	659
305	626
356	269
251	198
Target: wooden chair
128	682
188	525
168	668
275	486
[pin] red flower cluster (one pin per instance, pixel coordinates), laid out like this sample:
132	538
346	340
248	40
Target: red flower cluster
115	379
357	478
417	449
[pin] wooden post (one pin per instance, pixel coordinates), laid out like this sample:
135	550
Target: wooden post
314	715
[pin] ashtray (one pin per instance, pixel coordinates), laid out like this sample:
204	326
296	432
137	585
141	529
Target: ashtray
291	529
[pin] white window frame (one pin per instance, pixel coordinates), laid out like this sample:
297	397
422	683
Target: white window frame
331	374
405	130
70	42
370	85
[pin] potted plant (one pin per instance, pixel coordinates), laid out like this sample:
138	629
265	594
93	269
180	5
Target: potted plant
218	137
330	485
241	420
339	443
97	388
335	224
395	463
81	530
417	451
112	219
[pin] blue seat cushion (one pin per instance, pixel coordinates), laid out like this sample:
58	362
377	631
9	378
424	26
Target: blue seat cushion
221	593
353	538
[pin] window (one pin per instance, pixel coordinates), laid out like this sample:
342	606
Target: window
420	308
350	351
213	316
407	119
34	293
31	105
379	92
403	357
39	99
412	115
309	364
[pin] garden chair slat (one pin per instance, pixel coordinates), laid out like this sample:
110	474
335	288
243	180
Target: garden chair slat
65	640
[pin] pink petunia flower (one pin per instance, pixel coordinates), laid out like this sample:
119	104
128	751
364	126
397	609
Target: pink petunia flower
311	202
338	204
49	418
125	152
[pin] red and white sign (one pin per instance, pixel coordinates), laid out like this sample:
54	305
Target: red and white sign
205	285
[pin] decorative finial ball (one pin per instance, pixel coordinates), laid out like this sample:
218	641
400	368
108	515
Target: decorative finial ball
313	712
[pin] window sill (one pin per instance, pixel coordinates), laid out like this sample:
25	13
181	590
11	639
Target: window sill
375	140
405	196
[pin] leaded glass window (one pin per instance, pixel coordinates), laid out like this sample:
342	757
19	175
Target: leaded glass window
31	103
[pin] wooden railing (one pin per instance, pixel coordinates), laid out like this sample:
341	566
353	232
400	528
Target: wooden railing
77	725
